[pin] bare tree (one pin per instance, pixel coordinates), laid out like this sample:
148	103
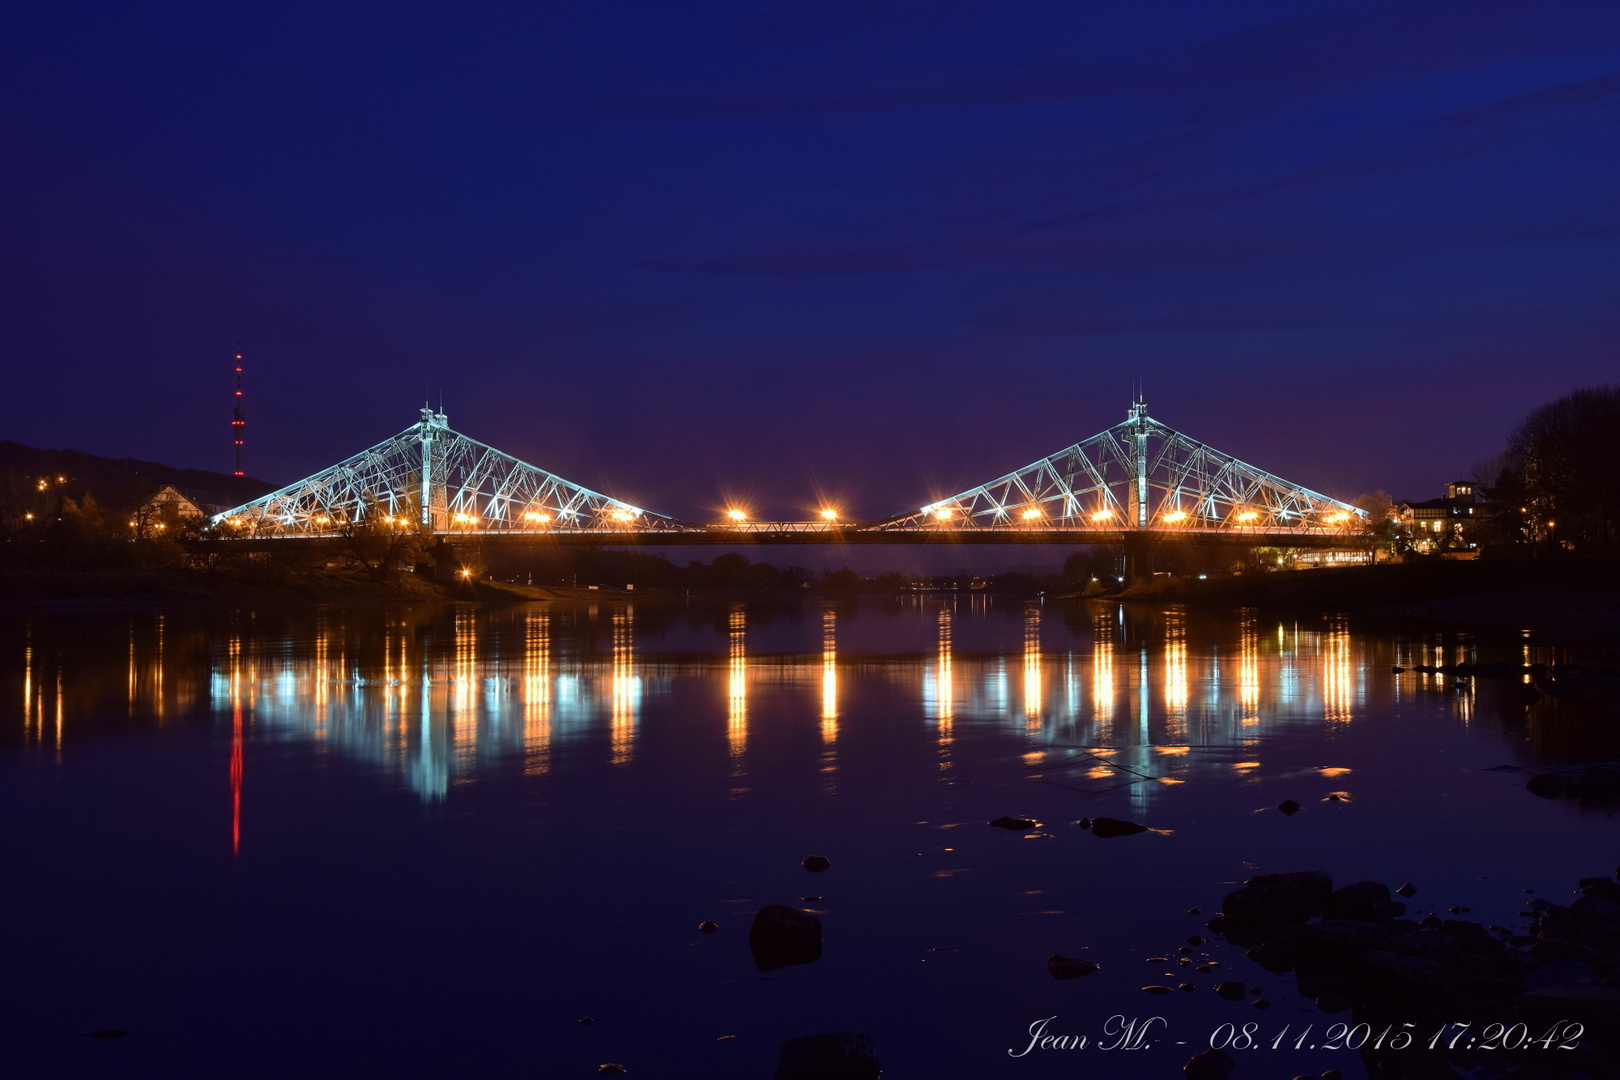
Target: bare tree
1564	462
379	539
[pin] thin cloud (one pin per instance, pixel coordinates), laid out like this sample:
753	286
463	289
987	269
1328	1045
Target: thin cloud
1569	96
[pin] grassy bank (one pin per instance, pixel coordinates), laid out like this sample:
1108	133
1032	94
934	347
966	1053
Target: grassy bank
1568	596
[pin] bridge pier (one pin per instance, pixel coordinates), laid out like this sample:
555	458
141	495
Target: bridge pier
1139	549
451	558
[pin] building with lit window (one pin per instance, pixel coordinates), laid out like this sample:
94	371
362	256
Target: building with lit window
1446	524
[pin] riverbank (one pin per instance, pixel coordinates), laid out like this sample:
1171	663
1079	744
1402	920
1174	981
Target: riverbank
68	589
1556	596
147	588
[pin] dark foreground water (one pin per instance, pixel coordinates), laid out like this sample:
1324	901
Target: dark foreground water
428	841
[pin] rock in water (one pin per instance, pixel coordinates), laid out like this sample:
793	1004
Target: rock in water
1278	898
1289	807
708	926
1210	1065
1407	890
842	1055
610	1069
1014	823
1231	991
1364	901
816	863
1069	967
1545	785
1106	827
782	936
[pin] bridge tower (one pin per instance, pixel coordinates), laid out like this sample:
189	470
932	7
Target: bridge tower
1136	548
431	425
1139	505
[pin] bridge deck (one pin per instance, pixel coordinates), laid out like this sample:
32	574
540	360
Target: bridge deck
795	532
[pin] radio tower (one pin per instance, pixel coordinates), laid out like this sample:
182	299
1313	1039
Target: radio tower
238	421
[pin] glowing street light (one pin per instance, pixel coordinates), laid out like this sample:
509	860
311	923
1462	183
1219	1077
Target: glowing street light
1247	515
537	517
829	514
622	515
1032	513
1102	515
737	514
943	513
1175	515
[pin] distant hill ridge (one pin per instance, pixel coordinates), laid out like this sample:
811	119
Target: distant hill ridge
118	484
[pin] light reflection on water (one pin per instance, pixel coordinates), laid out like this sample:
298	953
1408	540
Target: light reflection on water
596	756
434	717
518	683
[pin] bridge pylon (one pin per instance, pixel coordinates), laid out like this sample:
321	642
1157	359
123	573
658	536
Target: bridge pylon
441	481
1139	477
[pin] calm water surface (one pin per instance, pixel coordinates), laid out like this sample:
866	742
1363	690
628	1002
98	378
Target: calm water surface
427	841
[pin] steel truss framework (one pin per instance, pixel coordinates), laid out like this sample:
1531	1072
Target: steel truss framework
442	480
1138	476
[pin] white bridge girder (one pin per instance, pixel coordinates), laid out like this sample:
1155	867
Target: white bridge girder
1139	475
444	481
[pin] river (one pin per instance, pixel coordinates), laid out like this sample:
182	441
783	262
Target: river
431	841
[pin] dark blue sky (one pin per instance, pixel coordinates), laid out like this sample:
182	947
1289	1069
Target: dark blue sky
890	250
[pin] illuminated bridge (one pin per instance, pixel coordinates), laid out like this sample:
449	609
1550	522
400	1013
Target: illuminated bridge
1140	479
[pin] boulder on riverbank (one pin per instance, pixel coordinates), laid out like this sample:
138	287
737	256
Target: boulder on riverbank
1353	948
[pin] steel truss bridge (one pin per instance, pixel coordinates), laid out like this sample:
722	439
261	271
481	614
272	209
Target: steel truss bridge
1138	480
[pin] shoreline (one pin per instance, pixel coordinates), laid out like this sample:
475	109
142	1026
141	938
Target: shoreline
1567	598
1573	598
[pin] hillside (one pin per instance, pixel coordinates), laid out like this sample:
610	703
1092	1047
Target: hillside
119	484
